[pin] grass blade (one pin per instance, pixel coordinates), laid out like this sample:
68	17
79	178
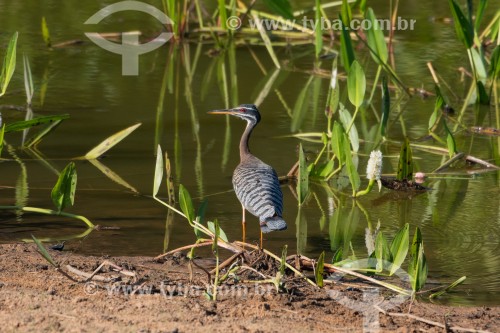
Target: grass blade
35	140
351	168
23	124
43	252
267	41
9	64
448	288
110	142
63	193
347	51
28	80
2	134
283	260
382	252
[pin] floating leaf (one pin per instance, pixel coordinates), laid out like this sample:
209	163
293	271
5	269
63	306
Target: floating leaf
375	38
23	124
110	142
9	64
405	165
356	84
319	269
63	193
158	171
303	183
186	203
399	248
43	252
463	27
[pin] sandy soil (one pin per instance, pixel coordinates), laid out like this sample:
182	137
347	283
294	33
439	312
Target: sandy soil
34	297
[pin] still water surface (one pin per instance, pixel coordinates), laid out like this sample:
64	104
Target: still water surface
459	218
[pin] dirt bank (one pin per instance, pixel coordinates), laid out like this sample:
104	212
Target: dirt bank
36	298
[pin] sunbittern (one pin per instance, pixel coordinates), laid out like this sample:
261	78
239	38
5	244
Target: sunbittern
256	184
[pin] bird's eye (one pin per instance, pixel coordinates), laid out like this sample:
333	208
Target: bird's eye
243	110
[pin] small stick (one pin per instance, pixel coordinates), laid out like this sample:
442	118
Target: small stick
433	73
86	275
187	247
227	262
449	162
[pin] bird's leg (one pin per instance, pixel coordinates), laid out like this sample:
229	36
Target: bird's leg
243	223
261	240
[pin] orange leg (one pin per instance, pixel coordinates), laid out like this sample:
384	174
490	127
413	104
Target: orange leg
243	224
261	240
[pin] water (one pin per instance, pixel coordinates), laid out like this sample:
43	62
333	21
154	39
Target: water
459	219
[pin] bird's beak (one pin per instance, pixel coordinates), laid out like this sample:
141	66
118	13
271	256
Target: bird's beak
224	111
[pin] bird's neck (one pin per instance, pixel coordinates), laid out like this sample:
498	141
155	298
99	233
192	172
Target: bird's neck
244	149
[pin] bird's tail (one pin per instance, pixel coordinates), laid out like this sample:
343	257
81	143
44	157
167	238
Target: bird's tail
273	224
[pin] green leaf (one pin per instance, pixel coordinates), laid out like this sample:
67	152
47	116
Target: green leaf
351	168
482	95
346	119
110	142
201	218
266	40
382	252
300	108
337	256
346	49
336	142
417	268
405	165
216	230
356	84
222	14
463	27
450	140
46	33
495	63
9	64
399	248
212	226
158	171
43	252
63	193
438	105
320	268
345	13
303	183
478	63
375	38
23	124
186	203
280	7
318	33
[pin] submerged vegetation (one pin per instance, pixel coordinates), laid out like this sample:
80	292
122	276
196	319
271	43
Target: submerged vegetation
329	159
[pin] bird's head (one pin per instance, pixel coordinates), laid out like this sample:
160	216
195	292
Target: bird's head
247	112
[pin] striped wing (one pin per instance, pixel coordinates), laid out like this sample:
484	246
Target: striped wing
257	187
